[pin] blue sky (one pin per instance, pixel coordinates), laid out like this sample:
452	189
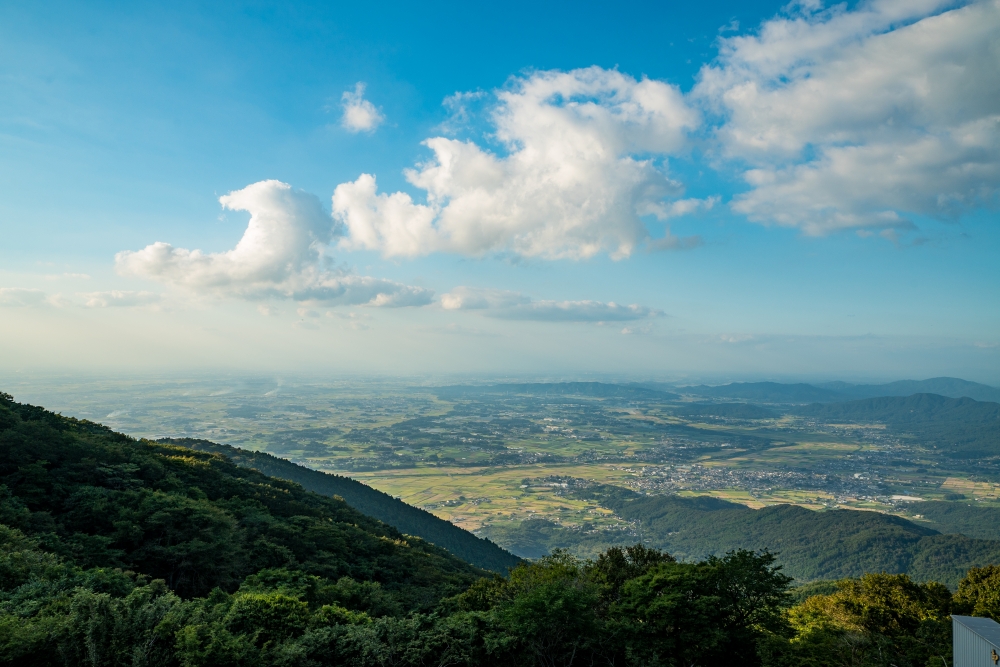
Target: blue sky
714	190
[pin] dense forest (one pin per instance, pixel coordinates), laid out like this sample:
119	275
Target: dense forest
405	518
115	552
961	428
811	545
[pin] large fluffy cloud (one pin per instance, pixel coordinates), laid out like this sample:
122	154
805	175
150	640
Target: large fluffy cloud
279	256
855	119
503	304
582	165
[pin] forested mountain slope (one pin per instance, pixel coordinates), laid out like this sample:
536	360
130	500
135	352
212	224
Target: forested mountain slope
405	518
194	519
810	545
974	520
959	427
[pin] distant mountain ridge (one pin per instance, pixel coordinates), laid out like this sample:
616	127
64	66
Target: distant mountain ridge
765	392
943	386
405	518
830	392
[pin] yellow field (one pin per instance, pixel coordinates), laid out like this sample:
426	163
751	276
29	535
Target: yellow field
471	497
986	490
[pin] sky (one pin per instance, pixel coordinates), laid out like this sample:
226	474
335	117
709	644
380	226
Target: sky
713	190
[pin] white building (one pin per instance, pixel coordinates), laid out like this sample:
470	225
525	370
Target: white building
976	641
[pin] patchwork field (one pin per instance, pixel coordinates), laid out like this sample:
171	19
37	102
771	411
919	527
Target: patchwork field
478	458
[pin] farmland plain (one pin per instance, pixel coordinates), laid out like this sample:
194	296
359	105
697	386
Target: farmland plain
480	458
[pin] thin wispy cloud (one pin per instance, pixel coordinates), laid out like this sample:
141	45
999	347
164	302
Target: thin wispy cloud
359	115
508	305
28	297
120	299
18	296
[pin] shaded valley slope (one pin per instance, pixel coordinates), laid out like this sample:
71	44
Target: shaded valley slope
810	545
405	518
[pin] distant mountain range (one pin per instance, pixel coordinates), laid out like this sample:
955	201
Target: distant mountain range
944	386
763	392
829	392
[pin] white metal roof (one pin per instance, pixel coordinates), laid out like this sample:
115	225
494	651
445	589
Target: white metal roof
986	628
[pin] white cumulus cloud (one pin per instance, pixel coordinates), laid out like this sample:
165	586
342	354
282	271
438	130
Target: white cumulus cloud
508	305
857	119
281	255
583	164
360	115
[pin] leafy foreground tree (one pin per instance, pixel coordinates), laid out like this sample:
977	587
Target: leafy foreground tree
632	606
878	620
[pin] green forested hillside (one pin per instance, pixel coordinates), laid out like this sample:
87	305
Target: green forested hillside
810	545
959	427
195	520
405	518
961	517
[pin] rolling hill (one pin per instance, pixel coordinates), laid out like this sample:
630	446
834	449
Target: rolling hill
943	386
810	545
960	427
978	521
